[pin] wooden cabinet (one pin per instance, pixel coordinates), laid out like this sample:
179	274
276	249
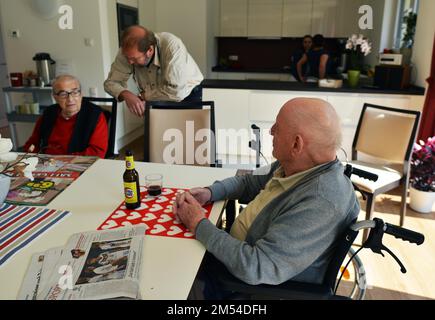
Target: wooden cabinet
265	18
233	18
296	21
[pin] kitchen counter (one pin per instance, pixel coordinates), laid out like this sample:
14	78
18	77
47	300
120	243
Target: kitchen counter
297	86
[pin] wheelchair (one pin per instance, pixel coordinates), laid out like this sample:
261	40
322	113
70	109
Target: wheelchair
327	290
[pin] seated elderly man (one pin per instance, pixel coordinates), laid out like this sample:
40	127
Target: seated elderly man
70	126
297	207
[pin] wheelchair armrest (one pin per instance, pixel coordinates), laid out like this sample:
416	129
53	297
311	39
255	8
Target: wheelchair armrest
288	290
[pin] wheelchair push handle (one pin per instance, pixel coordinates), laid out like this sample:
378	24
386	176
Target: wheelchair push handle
404	234
349	170
365	174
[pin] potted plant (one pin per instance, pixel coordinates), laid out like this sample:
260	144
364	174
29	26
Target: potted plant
357	47
422	179
410	20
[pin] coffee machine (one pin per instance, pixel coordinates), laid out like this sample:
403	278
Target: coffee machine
45	67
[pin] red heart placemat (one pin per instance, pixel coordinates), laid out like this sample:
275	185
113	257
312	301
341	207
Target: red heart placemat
155	213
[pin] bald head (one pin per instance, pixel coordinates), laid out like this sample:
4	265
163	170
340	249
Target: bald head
317	122
137	37
306	134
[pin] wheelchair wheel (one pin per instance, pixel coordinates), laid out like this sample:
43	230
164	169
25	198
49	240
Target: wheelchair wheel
353	283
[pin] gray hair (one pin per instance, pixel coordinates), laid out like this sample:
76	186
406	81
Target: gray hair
64	77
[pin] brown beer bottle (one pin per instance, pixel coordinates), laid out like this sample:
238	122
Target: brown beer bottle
131	183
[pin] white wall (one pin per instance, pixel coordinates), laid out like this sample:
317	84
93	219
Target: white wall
40	35
187	19
424	37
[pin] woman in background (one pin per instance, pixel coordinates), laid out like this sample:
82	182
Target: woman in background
307	43
317	59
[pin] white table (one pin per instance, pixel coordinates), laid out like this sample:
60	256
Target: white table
169	265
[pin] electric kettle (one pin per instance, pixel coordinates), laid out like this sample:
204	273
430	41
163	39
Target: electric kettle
45	67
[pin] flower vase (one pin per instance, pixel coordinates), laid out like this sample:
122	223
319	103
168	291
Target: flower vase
421	201
5	183
353	78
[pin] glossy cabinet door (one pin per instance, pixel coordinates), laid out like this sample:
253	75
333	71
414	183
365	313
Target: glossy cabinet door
324	17
233	18
265	18
296	21
231	120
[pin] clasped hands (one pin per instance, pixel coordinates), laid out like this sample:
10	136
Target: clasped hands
187	207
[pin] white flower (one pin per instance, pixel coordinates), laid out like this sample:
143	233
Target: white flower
30	167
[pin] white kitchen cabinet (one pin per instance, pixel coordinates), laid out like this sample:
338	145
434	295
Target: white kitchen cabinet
324	17
264	106
232	123
233	18
265	18
296	21
336	18
238	109
348	108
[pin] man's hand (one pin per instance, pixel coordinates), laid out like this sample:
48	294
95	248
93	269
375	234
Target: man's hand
202	195
188	211
135	104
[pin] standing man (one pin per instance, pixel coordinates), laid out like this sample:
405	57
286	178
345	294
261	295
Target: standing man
160	65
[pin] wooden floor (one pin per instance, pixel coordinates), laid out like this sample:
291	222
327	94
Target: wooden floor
384	279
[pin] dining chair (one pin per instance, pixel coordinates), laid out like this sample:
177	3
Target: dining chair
383	145
180	133
110	107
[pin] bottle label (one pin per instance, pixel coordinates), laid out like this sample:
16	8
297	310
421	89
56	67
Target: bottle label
129	163
131	192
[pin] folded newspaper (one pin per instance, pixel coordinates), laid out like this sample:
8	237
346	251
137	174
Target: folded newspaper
92	265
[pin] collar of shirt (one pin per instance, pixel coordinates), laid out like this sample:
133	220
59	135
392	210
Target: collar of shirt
286	183
156	59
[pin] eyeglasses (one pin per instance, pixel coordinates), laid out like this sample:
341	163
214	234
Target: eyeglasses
65	94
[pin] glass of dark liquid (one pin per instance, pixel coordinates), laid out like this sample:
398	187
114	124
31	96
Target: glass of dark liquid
153	183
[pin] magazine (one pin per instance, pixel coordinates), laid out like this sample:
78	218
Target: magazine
38	192
92	265
52	175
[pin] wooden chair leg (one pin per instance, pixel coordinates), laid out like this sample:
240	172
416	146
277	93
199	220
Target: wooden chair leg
370	207
403	202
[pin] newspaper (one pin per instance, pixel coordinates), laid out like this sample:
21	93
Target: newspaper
38	272
92	265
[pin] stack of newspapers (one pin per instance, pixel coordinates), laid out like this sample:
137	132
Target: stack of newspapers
92	265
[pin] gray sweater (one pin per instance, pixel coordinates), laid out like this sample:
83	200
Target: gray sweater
293	236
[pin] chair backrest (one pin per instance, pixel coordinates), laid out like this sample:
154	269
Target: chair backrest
180	133
110	107
343	245
386	133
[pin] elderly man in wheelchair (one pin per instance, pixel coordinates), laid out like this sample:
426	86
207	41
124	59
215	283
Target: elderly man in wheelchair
290	240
